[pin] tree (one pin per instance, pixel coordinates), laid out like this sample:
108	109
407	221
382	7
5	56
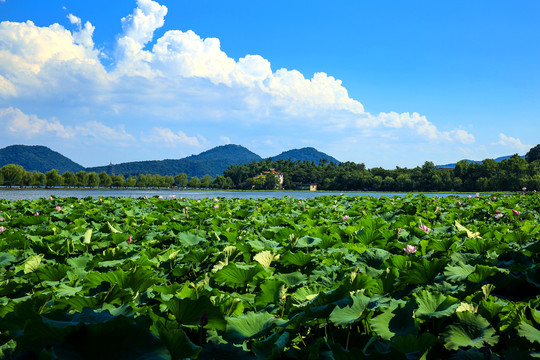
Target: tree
194	182
271	182
206	181
131	181
181	180
12	174
167	181
93	179
28	178
143	180
104	179
54	178
39	178
70	179
533	154
118	180
82	178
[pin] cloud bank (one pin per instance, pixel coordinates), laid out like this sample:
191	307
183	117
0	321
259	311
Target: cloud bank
174	89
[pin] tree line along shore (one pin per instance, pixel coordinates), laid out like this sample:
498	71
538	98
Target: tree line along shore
512	174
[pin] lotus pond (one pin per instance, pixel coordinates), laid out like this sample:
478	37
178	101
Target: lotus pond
333	277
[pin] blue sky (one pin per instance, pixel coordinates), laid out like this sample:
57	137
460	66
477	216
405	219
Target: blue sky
386	83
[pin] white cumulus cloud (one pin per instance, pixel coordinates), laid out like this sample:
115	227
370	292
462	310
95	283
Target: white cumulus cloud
170	138
512	143
14	122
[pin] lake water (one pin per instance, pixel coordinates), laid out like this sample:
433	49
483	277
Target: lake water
32	194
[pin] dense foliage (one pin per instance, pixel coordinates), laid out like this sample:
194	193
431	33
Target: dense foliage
508	175
333	277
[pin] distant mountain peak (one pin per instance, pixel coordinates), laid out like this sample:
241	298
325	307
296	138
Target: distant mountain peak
306	154
37	158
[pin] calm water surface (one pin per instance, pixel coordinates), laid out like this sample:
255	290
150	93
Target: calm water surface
32	194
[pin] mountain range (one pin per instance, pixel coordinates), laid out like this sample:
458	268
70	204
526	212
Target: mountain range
212	162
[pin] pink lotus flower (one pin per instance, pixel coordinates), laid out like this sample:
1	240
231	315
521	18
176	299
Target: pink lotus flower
51	198
172	196
477	195
36	213
187	208
58	208
498	216
160	197
459	202
410	249
424	228
2	229
334	207
497	211
524	189
130	240
215	200
470	196
515	212
1	219
198	201
345	217
216	206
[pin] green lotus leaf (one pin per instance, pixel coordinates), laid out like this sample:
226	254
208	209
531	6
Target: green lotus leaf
529	332
435	305
298	258
472	330
347	315
265	258
6	259
236	275
272	290
65	290
292	279
87	236
248	325
28	220
481	273
189	239
262	243
399	321
52	272
32	264
192	312
138	279
271	347
308	293
179	344
414	346
458	272
308	241
112	229
374	257
79	303
425	271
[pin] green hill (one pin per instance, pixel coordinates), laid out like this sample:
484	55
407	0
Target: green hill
306	154
37	158
212	162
